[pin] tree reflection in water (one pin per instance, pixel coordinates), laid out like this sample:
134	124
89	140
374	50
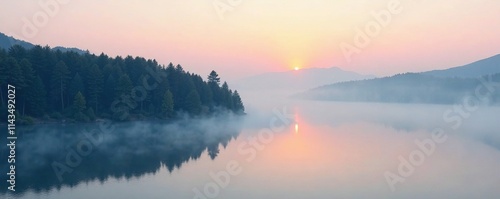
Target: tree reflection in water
131	150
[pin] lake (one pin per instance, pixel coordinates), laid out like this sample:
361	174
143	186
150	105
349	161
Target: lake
282	149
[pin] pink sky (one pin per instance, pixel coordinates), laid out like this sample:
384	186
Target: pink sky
258	36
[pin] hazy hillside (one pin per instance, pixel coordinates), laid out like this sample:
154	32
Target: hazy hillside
479	68
300	79
403	88
7	41
435	87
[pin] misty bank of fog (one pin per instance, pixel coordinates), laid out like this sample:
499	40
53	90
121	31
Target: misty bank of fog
482	123
365	139
113	150
341	151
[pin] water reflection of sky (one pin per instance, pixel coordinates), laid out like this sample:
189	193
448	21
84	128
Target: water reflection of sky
349	161
328	153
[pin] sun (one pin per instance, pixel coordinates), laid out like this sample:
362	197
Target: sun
296	68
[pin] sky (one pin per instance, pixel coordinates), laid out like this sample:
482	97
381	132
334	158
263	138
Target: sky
239	38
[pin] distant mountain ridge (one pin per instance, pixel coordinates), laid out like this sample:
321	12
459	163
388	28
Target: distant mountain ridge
479	68
402	88
432	87
299	79
7	41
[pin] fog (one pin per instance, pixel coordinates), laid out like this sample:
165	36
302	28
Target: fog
358	142
65	155
410	88
284	148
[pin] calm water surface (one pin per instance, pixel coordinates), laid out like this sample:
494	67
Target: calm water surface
323	150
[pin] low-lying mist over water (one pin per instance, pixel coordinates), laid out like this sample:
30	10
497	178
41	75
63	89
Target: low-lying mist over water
56	156
357	145
282	148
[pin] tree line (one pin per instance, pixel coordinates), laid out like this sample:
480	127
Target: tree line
55	85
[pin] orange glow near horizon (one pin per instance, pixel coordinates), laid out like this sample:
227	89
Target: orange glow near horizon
269	36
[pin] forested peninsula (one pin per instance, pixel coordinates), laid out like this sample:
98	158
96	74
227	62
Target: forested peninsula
51	85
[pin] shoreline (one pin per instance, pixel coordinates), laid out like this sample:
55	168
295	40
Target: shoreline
37	121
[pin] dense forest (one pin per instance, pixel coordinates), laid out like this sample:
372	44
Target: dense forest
71	86
404	88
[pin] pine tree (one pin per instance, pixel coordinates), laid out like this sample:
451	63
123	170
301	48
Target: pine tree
29	77
158	95
17	52
14	73
60	77
79	105
94	85
76	85
109	90
207	94
214	78
213	83
124	86
238	106
193	102
40	63
167	107
37	97
102	60
226	93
